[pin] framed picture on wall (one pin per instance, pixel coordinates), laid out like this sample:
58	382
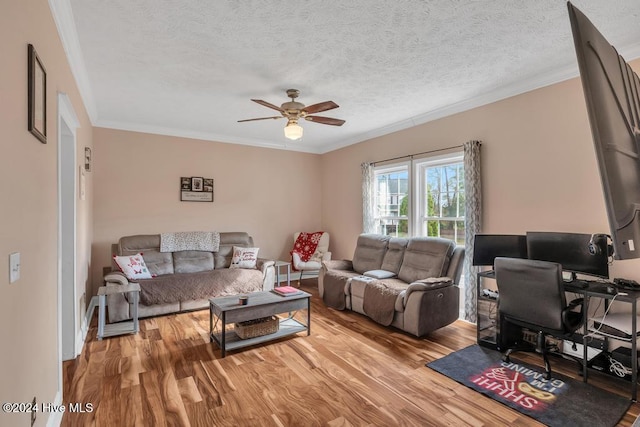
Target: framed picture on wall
196	189
37	95
87	159
197	183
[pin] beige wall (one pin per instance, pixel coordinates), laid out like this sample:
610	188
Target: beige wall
268	193
539	168
29	210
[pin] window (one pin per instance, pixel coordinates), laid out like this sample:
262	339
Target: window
391	199
437	198
440	195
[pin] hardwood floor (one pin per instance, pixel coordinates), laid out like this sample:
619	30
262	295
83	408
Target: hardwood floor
349	372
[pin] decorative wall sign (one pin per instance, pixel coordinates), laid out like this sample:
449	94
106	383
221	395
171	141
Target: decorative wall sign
87	159
196	189
37	92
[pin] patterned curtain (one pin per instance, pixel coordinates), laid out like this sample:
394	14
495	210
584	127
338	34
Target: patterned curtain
472	222
368	223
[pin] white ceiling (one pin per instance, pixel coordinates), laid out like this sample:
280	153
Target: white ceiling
190	68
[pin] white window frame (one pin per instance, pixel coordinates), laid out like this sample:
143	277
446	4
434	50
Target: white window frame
419	216
389	168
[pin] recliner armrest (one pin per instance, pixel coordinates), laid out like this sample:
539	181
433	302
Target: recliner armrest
262	264
426	285
326	256
116	277
341	264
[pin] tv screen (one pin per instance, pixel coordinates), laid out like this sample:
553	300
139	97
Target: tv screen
571	250
612	93
486	247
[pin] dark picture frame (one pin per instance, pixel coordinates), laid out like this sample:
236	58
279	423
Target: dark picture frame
87	159
37	95
196	189
197	183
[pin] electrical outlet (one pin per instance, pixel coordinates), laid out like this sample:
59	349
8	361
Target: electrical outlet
34	411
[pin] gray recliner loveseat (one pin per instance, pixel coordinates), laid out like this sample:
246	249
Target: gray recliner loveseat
408	283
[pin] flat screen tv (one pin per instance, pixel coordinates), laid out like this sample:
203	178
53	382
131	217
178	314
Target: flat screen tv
486	247
612	93
573	251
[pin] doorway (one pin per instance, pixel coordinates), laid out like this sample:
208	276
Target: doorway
68	322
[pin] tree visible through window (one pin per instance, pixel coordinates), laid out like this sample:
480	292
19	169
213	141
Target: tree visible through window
442	200
434	206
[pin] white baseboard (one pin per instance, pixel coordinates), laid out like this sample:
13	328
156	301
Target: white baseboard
295	275
86	321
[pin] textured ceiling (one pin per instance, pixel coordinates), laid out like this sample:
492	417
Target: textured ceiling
190	68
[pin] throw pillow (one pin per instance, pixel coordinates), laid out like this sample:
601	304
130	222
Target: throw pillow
133	266
380	274
244	257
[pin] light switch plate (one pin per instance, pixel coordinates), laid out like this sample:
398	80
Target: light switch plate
14	267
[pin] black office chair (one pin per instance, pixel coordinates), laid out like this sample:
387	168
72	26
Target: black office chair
532	296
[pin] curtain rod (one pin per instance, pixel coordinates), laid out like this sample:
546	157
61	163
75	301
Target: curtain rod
416	154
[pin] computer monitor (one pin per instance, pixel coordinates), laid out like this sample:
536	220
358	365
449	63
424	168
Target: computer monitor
486	247
577	253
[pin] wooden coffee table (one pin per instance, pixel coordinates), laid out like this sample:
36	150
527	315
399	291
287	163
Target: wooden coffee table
228	310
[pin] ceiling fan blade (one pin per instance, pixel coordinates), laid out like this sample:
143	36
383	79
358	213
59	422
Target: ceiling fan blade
322	106
267	104
325	120
261	118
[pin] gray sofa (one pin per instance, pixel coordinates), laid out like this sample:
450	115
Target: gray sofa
420	296
184	280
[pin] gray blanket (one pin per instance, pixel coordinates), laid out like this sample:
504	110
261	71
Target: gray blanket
380	300
172	288
334	282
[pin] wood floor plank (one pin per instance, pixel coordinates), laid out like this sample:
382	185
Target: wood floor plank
349	372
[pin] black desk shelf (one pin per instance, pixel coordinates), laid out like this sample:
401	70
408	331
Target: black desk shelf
487	325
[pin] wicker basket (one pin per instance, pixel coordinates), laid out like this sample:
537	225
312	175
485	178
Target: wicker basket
257	327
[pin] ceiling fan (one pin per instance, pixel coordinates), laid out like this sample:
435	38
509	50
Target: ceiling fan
294	111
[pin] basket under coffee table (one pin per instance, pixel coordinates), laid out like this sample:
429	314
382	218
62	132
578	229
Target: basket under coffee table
228	310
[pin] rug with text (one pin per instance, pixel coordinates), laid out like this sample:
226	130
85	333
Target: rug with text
560	401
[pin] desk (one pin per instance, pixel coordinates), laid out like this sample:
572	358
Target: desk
488	336
599	290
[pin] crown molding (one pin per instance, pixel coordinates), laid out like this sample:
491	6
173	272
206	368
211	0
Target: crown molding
63	17
206	136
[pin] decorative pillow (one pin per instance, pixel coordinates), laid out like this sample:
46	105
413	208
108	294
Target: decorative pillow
133	266
380	274
244	257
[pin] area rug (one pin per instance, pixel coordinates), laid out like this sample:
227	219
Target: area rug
560	401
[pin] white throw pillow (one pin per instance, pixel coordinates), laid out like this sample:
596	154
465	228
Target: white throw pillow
244	257
380	274
133	266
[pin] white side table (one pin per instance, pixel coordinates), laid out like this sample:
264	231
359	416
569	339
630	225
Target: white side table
131	327
279	264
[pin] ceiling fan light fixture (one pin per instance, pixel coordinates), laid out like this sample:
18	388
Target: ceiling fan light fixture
293	131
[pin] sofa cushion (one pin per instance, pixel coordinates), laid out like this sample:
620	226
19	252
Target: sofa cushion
159	263
192	261
426	257
369	252
395	252
222	258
